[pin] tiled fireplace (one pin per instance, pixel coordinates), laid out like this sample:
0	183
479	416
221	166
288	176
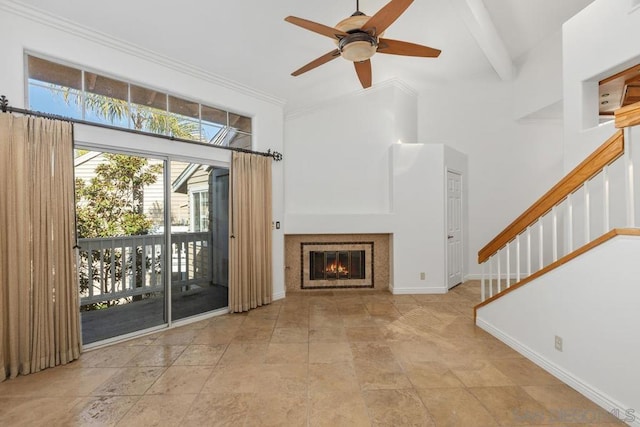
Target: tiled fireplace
336	261
330	265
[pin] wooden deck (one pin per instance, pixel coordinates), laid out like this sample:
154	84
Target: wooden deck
100	325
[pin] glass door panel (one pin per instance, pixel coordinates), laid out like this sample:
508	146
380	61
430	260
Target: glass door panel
120	219
199	239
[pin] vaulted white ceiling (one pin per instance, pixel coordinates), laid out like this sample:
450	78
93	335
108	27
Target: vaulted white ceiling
248	41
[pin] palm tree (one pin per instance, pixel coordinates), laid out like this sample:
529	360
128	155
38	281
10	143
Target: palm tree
142	117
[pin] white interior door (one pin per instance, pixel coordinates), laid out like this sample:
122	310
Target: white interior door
454	229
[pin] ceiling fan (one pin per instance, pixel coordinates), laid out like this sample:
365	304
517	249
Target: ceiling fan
359	37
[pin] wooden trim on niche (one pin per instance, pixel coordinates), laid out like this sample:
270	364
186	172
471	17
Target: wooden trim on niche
591	166
628	116
565	259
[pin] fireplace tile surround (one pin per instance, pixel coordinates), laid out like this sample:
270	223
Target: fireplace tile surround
364	248
297	267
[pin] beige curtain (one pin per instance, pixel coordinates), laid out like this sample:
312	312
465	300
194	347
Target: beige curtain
250	278
39	313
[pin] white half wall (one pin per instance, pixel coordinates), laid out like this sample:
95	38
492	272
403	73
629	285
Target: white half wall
592	304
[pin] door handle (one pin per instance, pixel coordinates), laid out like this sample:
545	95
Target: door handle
449	237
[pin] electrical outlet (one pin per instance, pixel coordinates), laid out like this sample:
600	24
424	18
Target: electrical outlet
558	343
423	275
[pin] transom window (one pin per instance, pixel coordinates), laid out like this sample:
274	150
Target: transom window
80	94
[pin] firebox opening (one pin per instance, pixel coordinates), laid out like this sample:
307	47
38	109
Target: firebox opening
337	265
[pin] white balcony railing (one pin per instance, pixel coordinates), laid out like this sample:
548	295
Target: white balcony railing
118	268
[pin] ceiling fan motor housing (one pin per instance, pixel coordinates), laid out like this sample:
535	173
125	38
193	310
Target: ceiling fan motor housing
359	45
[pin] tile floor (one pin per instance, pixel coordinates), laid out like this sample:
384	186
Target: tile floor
330	358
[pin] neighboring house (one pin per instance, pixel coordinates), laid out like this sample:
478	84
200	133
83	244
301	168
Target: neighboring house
85	166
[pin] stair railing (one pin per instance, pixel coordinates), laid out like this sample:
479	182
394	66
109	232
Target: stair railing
595	197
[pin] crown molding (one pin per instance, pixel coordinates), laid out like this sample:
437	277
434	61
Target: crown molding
63	24
393	82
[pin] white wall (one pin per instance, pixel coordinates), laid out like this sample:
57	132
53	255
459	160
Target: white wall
419	194
339	151
511	163
27	30
591	302
598	42
354	172
538	84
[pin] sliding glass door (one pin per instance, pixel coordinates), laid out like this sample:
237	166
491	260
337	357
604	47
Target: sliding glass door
153	237
199	239
120	219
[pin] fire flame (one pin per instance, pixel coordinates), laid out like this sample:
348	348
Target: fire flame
337	267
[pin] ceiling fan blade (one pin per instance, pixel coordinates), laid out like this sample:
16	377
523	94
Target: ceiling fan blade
363	69
397	47
386	16
324	30
317	62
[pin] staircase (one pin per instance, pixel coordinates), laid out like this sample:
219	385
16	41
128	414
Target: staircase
561	284
593	203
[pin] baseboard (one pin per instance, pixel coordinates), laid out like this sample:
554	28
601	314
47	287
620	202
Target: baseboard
591	393
417	291
278	295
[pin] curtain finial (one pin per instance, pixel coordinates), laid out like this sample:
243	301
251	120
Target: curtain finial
4	103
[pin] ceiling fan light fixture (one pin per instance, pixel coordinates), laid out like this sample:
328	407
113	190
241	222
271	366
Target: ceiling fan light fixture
358	51
358	46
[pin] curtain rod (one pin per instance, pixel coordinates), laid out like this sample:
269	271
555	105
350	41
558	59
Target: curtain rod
5	108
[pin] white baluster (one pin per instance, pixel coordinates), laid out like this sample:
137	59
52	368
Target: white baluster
508	265
605	177
554	233
569	224
587	213
517	258
499	273
541	242
482	291
528	251
490	277
628	160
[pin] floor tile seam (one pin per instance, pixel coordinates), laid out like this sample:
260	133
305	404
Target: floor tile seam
497	423
117	371
126	413
551	420
212	369
489	411
367	408
563	386
122	416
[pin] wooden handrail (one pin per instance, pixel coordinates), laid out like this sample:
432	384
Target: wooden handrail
565	259
628	116
590	167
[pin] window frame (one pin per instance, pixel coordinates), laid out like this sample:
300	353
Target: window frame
81	106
